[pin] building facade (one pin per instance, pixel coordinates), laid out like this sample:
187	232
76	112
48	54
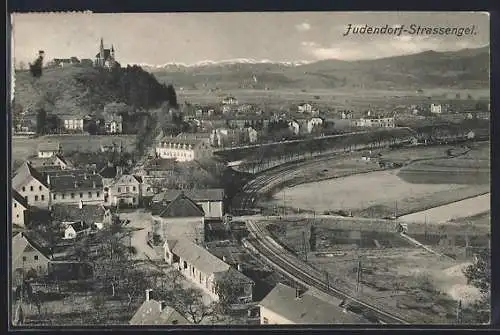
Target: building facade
436	109
30	184
127	190
19	209
387	122
184	149
73	124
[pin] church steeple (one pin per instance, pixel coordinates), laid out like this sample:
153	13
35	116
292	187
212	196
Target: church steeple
112	51
101	53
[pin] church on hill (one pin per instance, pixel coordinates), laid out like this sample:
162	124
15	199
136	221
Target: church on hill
106	57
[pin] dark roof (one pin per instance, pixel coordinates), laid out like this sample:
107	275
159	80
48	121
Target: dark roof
48	168
150	314
79	226
25	171
108	172
75	182
19	198
208	194
161	164
308	309
182	206
72	213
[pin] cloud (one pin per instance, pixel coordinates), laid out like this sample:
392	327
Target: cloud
304	26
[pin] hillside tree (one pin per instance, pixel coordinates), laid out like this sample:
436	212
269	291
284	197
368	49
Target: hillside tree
479	275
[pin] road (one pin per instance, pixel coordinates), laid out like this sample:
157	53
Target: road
140	220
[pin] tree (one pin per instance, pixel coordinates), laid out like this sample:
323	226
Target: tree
479	275
189	302
172	96
41	119
229	289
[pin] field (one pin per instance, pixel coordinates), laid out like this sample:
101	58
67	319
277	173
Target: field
460	209
399	275
23	148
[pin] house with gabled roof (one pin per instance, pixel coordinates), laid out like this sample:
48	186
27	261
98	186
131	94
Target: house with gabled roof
210	199
88	213
31	185
56	160
76	229
181	218
73	186
126	191
287	305
28	256
156	312
49	149
206	270
19	209
184	147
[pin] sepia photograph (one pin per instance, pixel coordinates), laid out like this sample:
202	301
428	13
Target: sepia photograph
249	168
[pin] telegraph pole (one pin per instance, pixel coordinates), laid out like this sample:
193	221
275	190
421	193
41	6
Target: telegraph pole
358	277
304	245
459	312
327	280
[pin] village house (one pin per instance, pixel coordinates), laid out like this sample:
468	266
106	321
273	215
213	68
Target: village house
86	213
56	160
75	229
184	149
252	135
346	115
19	209
28	257
113	124
378	122
73	123
287	305
71	186
436	109
127	190
222	138
206	270
181	218
49	149
210	200
304	108
313	123
31	185
229	100
155	313
109	173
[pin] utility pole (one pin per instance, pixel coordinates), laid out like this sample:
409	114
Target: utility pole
459	312
358	277
327	280
304	245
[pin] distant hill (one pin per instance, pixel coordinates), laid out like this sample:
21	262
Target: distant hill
82	90
468	68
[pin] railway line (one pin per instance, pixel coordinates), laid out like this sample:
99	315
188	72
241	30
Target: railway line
303	273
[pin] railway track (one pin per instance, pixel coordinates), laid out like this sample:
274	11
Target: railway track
302	272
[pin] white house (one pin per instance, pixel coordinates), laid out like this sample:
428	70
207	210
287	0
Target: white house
32	186
184	149
253	135
435	109
49	149
314	122
304	108
127	190
19	209
387	122
229	100
286	305
205	270
71	123
75	229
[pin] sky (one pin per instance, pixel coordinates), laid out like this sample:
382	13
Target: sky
189	38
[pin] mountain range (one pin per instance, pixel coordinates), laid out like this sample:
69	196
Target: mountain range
466	68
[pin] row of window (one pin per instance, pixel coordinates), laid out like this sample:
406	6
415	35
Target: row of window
127	189
36	197
72	195
31	188
34	257
177	154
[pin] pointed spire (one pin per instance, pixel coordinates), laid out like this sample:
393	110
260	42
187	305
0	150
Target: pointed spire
112	48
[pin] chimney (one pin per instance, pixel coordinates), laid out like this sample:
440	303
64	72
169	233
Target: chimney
240	267
85	176
162	305
80	204
48	179
223	258
148	294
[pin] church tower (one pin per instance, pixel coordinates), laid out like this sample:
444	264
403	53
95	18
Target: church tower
101	53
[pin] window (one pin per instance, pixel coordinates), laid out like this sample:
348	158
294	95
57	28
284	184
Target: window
133	188
72	195
127	189
98	194
90	195
62	196
133	200
15	205
31	188
24	258
35	257
39	188
185	265
265	321
24	189
81	195
36	197
119	189
43	197
54	197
